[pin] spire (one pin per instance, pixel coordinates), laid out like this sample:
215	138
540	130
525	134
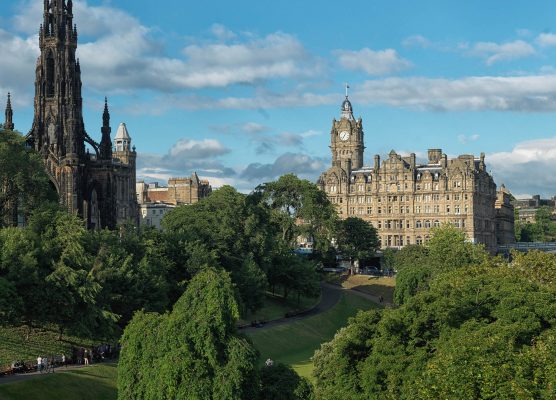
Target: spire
347	109
9	125
122	139
106	142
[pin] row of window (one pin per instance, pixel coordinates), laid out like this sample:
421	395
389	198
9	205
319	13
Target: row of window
426	198
435	209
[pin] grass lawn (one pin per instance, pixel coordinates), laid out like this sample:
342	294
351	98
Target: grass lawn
295	343
93	383
374	285
14	346
276	307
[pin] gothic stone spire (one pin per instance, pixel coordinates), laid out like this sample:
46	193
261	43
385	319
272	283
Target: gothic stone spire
9	125
106	142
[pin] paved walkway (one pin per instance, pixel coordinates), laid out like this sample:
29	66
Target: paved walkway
329	298
30	375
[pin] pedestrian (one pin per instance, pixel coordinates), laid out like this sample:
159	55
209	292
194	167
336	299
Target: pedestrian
64	361
39	364
381	299
86	358
45	364
52	364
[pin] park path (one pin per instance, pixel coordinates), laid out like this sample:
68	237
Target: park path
330	296
30	375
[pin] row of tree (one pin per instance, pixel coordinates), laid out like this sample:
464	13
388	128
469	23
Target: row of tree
468	326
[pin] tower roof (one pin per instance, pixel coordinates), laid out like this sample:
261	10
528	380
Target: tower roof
347	109
122	133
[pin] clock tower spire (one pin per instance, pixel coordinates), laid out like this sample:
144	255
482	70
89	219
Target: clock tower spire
346	138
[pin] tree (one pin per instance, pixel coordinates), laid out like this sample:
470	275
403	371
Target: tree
24	185
227	227
299	207
192	352
281	382
356	239
483	331
447	249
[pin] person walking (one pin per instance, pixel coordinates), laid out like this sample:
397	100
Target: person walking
64	361
39	364
86	357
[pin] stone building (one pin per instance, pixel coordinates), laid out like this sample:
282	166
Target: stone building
155	201
404	199
178	192
100	187
527	208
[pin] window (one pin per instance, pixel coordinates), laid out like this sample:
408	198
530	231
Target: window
379	224
456	210
456	196
448	209
417	209
352	210
436	223
379	210
427	224
419	240
369	210
418	224
436	208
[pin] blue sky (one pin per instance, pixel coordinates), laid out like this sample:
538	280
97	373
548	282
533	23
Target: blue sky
245	91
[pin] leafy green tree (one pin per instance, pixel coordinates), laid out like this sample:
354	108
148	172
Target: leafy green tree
356	239
281	382
192	352
483	331
226	226
299	208
24	185
447	249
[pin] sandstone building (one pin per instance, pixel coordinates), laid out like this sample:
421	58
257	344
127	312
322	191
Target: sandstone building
100	187
404	199
155	201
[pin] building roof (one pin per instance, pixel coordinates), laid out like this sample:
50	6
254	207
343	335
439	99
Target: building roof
122	133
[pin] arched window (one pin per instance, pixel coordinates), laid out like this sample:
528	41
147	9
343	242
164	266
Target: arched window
418	224
436	223
419	240
427	224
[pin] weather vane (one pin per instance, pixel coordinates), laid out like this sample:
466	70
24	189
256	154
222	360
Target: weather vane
347	88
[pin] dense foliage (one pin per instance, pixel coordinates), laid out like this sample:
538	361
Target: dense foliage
542	230
356	239
24	184
472	327
193	351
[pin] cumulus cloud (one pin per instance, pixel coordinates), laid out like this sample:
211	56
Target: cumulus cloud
185	157
464	139
380	62
546	39
302	165
495	52
120	54
195	149
519	93
526	168
417	41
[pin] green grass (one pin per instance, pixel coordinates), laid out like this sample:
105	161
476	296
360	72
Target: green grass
295	343
276	307
93	383
14	346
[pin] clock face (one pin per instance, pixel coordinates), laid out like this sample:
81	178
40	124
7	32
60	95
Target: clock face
344	135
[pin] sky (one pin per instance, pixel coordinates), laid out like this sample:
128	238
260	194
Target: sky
245	91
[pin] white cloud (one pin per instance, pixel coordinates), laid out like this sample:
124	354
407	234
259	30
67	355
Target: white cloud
120	54
518	93
195	149
417	41
222	33
381	62
527	168
464	139
546	39
302	165
494	52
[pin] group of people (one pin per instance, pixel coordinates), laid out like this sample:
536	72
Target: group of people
46	365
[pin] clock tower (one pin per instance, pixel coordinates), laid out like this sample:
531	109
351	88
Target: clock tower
346	139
